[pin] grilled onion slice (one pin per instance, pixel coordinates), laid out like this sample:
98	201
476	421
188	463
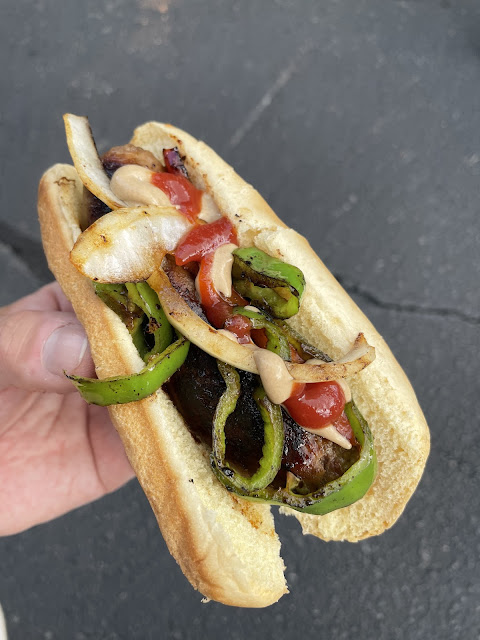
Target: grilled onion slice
125	245
87	163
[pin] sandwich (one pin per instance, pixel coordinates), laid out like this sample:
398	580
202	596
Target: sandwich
237	371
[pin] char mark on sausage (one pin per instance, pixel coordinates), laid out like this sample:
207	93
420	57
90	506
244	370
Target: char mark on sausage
183	282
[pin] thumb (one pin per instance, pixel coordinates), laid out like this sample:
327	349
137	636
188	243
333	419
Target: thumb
36	347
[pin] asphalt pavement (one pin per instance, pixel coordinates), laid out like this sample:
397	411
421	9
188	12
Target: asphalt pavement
358	120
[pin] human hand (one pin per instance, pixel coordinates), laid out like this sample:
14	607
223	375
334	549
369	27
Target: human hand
56	452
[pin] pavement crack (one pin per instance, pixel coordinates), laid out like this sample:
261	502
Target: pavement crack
406	307
27	250
266	100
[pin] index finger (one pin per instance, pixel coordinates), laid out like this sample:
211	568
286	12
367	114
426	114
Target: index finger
48	298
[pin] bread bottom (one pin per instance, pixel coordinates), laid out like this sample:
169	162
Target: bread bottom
329	319
226	547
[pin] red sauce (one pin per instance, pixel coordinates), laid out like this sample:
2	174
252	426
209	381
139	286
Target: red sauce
260	338
208	294
317	404
204	239
217	307
180	192
199	245
241	327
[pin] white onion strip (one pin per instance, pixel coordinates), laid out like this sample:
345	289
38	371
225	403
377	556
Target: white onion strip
126	245
360	355
185	320
87	163
197	330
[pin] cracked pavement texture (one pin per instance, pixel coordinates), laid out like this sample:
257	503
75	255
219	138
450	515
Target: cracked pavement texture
358	122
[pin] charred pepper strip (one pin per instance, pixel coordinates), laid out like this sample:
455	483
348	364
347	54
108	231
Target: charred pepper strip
272	284
226	405
280	306
272	451
270	272
303	348
116	297
138	338
130	388
146	298
277	342
346	490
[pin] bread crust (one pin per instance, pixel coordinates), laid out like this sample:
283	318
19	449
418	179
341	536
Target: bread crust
227	547
330	319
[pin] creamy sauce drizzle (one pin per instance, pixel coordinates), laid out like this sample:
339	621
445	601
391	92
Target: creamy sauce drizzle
330	433
278	383
132	183
221	271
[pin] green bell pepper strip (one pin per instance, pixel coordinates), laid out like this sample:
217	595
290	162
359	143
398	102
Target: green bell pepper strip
303	348
272	284
276	341
272	451
130	388
259	267
138	338
145	297
339	493
116	297
270	299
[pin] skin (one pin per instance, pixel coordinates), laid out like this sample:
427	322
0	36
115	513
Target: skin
56	452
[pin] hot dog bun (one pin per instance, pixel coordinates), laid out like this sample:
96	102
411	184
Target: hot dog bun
227	547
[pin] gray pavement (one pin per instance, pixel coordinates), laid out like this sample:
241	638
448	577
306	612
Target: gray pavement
359	122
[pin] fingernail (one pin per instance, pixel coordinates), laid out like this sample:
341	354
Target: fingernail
64	349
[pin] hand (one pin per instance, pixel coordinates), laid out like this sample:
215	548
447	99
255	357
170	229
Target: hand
56	452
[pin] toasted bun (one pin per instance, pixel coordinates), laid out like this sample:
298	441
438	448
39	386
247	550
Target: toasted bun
227	547
329	319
